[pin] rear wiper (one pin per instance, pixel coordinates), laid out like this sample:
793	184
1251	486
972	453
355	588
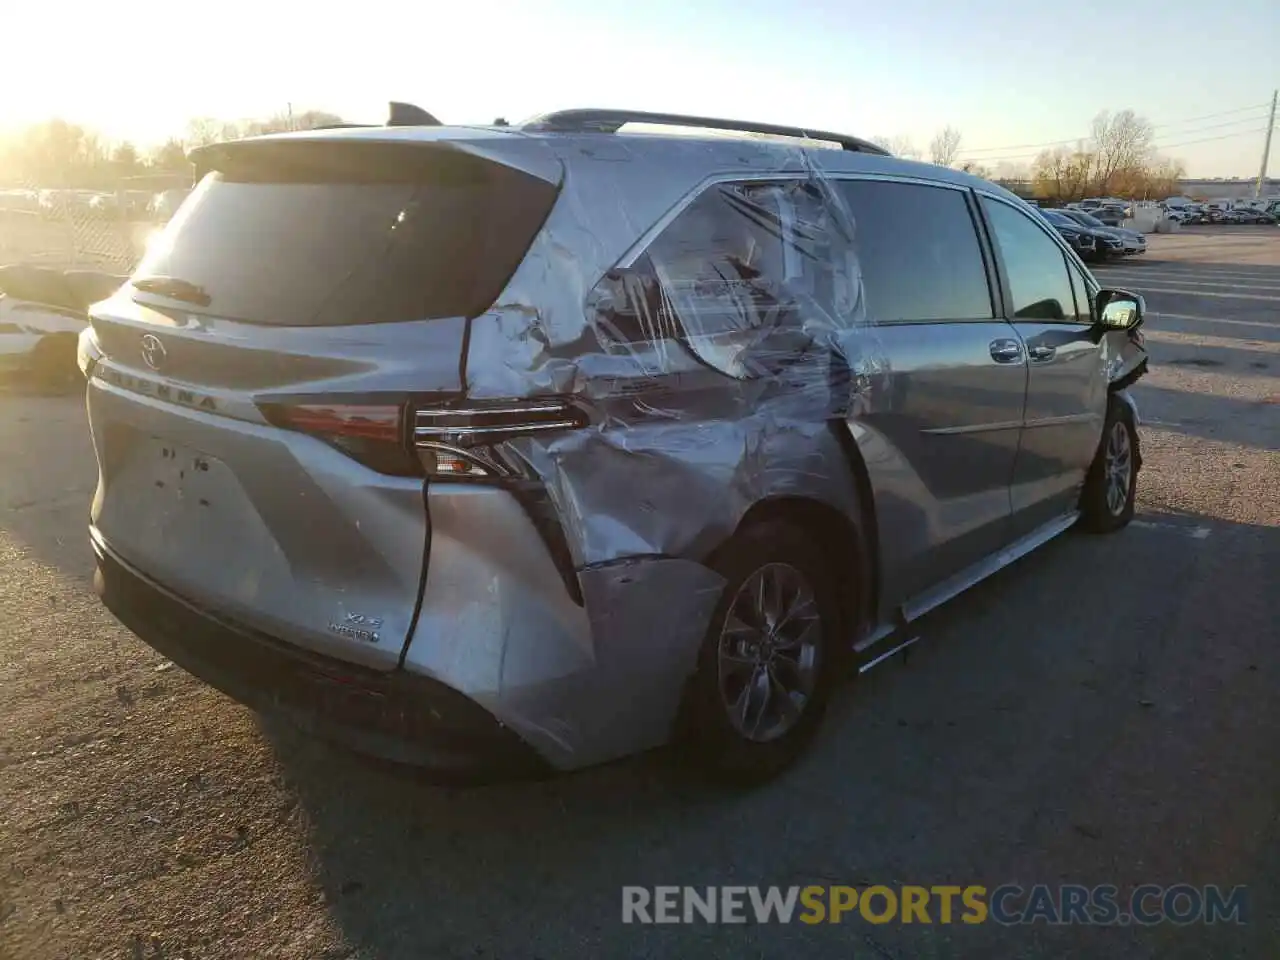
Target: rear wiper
173	287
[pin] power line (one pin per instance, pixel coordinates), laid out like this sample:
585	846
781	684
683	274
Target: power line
1225	136
1161	146
1211	116
1055	143
1216	126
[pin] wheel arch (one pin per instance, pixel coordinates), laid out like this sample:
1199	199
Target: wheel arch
847	543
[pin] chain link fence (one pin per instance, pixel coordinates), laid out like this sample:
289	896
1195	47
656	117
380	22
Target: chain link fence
74	229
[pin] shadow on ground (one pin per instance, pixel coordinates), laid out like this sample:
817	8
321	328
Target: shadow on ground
1063	722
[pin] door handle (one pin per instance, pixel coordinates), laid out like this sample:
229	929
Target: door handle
1006	351
1041	352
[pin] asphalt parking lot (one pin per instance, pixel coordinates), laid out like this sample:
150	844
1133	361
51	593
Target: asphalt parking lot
1105	711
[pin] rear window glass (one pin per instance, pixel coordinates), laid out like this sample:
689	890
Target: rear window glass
310	234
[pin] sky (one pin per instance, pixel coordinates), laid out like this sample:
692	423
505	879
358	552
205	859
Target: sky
1011	76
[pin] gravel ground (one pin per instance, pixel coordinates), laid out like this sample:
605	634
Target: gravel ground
1104	711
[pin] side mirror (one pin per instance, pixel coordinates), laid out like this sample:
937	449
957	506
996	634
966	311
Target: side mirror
1120	310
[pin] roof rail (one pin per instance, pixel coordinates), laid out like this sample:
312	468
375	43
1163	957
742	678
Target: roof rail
610	121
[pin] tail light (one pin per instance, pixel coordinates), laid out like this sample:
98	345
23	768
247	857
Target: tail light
440	441
480	424
461	442
372	434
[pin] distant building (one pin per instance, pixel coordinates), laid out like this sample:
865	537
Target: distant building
1228	189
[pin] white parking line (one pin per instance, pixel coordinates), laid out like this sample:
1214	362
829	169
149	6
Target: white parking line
1159	273
1241	323
1236	284
1205	293
1195	533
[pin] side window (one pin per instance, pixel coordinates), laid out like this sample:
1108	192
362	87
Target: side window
1084	306
743	264
1038	282
918	251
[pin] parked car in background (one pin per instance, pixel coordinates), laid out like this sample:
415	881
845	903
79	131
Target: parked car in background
1133	242
69	204
1110	216
1248	215
42	313
533	481
107	206
19	201
1090	243
1094	203
137	204
165	204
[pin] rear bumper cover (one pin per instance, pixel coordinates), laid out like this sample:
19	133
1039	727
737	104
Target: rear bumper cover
395	716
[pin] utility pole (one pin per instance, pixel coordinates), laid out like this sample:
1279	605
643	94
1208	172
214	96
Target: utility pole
1266	147
289	107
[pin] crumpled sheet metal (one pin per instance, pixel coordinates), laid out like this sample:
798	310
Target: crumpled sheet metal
715	324
582	684
643	650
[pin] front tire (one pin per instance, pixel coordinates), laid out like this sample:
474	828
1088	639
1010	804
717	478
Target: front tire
767	663
1111	486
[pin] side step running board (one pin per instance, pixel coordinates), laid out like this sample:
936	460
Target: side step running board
887	654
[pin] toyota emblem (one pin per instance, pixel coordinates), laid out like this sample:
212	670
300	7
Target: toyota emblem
153	352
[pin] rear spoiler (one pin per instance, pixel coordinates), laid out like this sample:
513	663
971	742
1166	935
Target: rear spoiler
399	114
377	158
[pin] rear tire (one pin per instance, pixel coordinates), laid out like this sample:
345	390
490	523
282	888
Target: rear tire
769	659
53	362
1111	486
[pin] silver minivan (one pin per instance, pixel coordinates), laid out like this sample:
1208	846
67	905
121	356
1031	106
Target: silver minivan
522	448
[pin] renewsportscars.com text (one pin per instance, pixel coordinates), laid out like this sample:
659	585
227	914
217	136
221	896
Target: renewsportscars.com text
1010	904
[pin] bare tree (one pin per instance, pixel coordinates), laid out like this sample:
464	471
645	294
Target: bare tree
1120	141
281	122
1063	173
945	147
900	146
205	130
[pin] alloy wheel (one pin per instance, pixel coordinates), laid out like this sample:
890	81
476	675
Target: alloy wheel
768	652
1119	468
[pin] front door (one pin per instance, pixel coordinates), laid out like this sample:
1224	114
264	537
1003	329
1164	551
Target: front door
1048	304
940	438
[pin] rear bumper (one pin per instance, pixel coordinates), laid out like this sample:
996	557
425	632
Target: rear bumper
395	716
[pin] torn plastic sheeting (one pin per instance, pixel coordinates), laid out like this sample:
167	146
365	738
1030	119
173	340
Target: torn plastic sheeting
747	272
647	618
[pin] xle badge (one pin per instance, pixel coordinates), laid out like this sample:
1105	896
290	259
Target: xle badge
356	626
